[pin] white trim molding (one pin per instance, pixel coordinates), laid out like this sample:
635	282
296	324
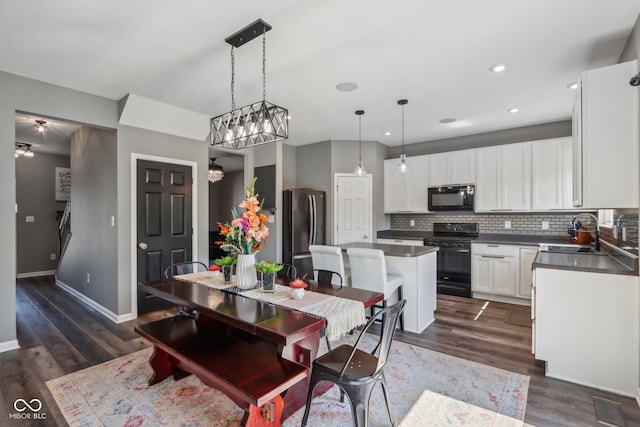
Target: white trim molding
9	345
91	303
35	274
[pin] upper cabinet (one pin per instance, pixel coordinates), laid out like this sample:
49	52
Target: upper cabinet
551	174
405	192
605	132
453	167
503	178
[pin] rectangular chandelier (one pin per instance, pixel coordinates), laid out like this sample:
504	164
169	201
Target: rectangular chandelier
257	123
254	124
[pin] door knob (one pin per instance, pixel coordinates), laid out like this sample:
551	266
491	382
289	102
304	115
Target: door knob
365	237
142	245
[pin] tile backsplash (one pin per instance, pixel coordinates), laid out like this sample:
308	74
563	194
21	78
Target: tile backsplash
524	223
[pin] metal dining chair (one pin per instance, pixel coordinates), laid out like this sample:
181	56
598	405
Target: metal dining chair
288	272
184	268
324	276
355	371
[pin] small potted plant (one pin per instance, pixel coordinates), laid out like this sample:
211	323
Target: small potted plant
268	272
297	288
226	265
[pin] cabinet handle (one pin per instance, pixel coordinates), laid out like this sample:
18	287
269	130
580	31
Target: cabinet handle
493	246
493	256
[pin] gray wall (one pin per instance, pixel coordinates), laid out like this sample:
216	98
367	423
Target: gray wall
632	48
35	193
92	248
28	95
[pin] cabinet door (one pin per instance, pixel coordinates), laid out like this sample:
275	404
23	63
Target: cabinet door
463	167
527	255
393	187
567	173
439	167
481	274
547	174
576	164
487	196
505	275
416	198
515	176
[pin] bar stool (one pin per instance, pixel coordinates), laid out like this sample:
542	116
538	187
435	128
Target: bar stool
369	271
329	258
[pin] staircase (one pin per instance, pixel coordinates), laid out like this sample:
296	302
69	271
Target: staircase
64	233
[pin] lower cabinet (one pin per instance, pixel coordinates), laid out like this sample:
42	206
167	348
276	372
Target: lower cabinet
502	270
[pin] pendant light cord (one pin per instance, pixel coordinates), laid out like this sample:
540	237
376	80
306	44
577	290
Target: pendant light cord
360	138
233	79
264	64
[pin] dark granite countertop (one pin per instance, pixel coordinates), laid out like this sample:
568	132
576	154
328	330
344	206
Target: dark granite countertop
594	263
392	250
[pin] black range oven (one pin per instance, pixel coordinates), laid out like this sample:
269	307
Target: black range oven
454	256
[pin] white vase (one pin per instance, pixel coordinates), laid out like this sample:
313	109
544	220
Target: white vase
246	277
297	293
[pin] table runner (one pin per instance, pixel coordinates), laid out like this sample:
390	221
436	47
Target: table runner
342	314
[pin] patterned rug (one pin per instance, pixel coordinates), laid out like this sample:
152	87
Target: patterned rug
426	387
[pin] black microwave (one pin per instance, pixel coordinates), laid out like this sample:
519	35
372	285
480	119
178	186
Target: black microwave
451	198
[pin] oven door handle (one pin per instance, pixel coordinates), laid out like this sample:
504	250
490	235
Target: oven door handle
462	251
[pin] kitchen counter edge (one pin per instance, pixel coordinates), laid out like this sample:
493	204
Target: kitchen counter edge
392	250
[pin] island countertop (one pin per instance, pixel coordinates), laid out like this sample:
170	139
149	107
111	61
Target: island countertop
392	250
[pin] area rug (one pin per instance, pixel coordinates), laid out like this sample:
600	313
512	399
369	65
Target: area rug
518	318
458	393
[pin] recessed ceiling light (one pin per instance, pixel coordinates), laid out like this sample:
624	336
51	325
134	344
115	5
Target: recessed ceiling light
387	133
513	110
346	86
498	68
449	120
573	85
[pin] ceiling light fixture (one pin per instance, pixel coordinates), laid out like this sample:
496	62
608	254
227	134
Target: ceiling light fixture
257	123
403	166
513	110
24	150
216	172
498	68
360	170
41	126
573	85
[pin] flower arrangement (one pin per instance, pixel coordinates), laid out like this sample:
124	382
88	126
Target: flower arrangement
298	283
268	267
247	233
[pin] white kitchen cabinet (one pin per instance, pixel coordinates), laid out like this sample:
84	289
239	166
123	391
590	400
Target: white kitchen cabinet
605	132
527	256
551	174
586	328
503	178
406	242
453	167
494	269
405	192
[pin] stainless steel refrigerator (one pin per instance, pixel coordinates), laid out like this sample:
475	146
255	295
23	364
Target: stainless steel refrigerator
304	225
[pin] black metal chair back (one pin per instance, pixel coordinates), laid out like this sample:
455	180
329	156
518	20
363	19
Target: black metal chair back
184	268
288	272
355	371
324	276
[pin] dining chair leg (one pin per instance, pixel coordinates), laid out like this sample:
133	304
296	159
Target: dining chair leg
307	408
401	314
385	392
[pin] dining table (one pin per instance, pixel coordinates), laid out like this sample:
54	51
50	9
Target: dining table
257	349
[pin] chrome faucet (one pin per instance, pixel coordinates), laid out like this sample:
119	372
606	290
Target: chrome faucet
596	245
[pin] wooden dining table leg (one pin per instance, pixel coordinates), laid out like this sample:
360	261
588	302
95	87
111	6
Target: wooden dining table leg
161	364
267	415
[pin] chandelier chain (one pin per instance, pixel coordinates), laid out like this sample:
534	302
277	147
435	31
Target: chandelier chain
402	128
233	79
264	63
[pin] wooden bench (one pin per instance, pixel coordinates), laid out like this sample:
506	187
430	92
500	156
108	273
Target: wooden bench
247	368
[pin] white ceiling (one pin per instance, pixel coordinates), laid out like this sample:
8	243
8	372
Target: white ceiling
435	53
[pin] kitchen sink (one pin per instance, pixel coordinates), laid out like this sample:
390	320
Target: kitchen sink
571	249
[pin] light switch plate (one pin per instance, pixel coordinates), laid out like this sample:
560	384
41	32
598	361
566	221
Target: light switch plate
545	225
412	223
507	224
30	218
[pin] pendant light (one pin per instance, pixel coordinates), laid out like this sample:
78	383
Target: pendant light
216	172
360	170
403	166
257	123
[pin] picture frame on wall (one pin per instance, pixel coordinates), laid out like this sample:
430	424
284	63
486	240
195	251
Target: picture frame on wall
63	184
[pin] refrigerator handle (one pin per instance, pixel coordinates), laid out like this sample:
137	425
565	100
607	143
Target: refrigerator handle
315	218
310	220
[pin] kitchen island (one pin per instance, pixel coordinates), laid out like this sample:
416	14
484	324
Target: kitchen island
417	265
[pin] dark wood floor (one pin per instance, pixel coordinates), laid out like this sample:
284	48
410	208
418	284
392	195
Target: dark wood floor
59	335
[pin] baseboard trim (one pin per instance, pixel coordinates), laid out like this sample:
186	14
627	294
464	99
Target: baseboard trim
35	274
502	298
91	303
9	345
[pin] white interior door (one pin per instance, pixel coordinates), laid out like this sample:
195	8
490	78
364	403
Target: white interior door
352	208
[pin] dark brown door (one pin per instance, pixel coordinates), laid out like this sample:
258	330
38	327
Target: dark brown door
164	223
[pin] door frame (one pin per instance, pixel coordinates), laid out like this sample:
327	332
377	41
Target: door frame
369	177
134	216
